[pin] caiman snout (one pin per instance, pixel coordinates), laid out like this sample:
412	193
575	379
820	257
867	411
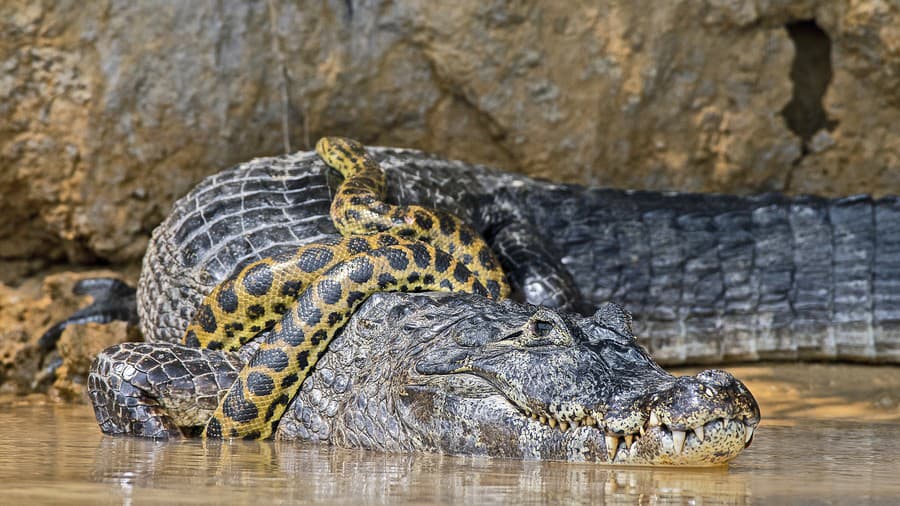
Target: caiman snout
694	401
706	418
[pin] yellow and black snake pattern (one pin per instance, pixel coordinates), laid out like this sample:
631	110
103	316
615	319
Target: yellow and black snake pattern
305	298
238	309
358	207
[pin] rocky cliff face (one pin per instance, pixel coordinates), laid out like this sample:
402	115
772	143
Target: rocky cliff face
111	110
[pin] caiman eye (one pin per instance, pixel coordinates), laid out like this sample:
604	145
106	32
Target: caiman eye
542	328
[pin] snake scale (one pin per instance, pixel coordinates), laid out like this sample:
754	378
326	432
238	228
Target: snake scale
305	297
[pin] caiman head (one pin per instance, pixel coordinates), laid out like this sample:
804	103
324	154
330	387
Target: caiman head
465	375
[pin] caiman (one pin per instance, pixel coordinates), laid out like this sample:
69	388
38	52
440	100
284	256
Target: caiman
708	277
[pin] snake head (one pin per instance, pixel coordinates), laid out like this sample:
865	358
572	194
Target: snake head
343	154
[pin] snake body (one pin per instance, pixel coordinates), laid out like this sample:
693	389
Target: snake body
359	208
306	297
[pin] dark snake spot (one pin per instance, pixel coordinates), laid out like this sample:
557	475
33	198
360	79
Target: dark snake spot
314	259
207	319
255	311
387	240
236	405
330	291
461	273
380	208
353	297
258	280
385	280
362	200
227	299
289	380
310	314
214	428
281	400
486	258
273	359
396	258
291	288
447	223
360	270
260	384
423	220
352	215
358	245
303	360
442	261
334	317
420	255
318	337
465	236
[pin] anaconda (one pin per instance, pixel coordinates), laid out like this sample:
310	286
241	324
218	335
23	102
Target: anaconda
306	297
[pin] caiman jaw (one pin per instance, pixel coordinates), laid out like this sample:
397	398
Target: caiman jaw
705	419
670	442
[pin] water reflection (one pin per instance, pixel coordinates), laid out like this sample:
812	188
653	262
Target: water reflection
65	459
289	472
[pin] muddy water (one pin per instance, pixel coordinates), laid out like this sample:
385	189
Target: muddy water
830	435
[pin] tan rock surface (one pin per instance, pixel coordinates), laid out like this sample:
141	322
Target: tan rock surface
30	309
111	110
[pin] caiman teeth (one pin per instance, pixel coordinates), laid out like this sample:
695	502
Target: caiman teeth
748	434
678	440
612	444
654	420
628	440
563	426
552	422
700	432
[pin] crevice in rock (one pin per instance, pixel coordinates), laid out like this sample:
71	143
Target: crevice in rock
811	74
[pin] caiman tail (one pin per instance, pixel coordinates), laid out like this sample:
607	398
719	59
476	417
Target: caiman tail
714	278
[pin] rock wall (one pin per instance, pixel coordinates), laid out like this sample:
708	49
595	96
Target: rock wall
110	110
